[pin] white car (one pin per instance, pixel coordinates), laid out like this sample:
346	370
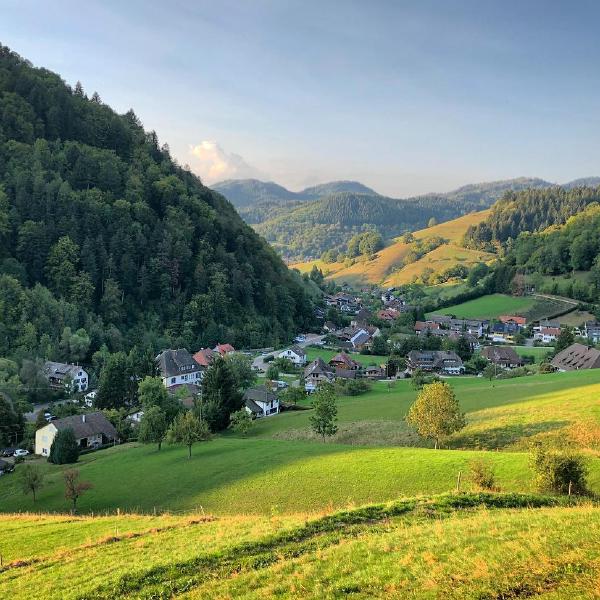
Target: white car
300	338
20	452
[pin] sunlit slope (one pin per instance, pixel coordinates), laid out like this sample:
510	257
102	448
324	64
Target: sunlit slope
386	266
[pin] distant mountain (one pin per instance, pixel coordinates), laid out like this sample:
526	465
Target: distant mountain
334	187
582	182
246	192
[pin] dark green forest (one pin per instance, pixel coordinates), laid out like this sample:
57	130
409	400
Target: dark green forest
528	210
105	241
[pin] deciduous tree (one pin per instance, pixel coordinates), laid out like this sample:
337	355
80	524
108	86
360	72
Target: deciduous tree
324	416
187	429
32	479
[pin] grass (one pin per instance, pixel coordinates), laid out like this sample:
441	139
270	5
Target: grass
451	546
280	468
539	353
490	307
327	355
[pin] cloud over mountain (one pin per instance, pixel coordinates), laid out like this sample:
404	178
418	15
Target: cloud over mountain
213	163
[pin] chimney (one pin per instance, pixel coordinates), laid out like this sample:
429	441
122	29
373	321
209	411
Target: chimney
83	418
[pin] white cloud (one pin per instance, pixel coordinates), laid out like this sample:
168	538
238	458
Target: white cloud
214	164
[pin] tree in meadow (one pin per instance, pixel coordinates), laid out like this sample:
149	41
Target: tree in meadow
324	416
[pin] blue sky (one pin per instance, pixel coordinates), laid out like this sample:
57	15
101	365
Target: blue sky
407	97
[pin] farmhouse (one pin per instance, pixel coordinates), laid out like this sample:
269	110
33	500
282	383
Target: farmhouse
61	376
344	361
205	357
360	339
295	354
546	335
90	430
261	402
388	314
178	367
439	361
316	373
422	327
503	357
575	357
374	372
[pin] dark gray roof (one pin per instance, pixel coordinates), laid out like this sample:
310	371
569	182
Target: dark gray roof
317	366
253	407
176	362
297	350
261	394
87	425
502	355
577	356
59	371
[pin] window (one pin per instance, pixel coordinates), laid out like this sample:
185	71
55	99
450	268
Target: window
172	379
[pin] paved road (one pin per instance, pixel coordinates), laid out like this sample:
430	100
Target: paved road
32	416
259	362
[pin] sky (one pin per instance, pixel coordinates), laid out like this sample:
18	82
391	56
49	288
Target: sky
406	97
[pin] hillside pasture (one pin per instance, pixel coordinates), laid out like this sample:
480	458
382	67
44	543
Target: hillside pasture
489	307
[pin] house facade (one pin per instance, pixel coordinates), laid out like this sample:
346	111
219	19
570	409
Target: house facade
295	354
90	430
546	335
178	367
435	361
506	358
62	376
261	402
592	331
317	373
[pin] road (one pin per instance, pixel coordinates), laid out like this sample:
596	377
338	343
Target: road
259	362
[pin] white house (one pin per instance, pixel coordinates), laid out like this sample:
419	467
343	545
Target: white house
90	430
90	397
547	335
64	376
178	367
261	402
294	354
135	416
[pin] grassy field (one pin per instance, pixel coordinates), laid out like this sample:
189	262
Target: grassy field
327	355
489	307
455	546
538	352
281	468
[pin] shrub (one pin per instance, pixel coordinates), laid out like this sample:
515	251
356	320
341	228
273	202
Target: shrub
559	471
241	422
352	387
482	475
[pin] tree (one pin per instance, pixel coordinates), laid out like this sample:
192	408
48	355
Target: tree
489	371
32	479
220	395
153	427
293	395
64	448
463	348
74	488
272	372
324	417
241	422
564	340
241	368
418	379
436	414
62	264
152	392
558	472
379	346
432	222
187	429
114	380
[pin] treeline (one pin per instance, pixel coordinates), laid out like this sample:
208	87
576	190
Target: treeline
104	236
529	210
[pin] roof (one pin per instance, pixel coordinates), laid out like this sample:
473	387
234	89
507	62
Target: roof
500	354
259	394
360	337
426	325
253	407
550	330
317	367
435	358
87	425
343	358
513	319
176	362
224	349
204	357
577	356
59	370
297	350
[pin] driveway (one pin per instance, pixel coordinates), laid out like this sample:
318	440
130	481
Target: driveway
259	362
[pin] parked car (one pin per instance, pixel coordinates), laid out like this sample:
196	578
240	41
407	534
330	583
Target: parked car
51	418
300	338
20	452
8	451
281	384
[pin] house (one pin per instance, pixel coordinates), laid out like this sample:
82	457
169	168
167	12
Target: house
502	356
388	314
375	372
344	361
178	367
295	354
362	318
438	361
261	402
223	349
62	376
387	296
205	357
90	430
330	327
89	398
502	332
575	357
471	326
422	327
592	331
443	320
546	335
316	373
520	321
360	339
135	416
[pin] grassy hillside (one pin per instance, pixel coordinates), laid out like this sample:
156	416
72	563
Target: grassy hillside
385	266
447	546
281	468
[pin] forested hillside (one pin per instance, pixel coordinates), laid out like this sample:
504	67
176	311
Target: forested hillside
529	210
104	236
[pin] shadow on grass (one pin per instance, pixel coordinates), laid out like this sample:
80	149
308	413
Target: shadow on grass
502	437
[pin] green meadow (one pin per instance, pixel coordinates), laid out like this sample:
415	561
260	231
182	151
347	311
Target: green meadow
489	307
